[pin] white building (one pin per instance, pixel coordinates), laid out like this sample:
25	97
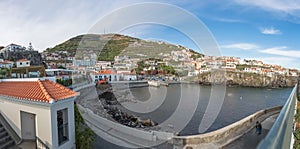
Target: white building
193	73
102	74
22	63
84	62
39	110
13	48
204	70
126	75
6	64
112	76
62	74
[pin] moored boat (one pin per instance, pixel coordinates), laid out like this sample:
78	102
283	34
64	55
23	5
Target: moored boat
154	83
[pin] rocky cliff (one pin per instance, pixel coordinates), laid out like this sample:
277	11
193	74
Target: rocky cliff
246	79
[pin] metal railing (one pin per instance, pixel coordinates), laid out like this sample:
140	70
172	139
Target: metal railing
12	133
40	144
281	133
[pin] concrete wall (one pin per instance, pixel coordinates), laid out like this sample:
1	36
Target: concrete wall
110	126
223	136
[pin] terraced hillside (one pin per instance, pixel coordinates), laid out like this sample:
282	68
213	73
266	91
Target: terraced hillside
107	46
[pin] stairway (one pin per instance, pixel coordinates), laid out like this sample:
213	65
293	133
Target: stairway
6	142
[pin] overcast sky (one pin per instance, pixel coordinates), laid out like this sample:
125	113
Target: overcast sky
266	30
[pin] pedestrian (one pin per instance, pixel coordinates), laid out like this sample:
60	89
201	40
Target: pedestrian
258	127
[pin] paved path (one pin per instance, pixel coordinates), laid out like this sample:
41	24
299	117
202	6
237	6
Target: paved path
251	139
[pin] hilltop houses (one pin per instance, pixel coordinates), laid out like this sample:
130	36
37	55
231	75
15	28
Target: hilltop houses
12	48
14	52
22	63
6	64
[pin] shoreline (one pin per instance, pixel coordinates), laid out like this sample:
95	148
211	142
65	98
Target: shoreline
246	86
139	84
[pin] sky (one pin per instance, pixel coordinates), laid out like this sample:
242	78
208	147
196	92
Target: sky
266	30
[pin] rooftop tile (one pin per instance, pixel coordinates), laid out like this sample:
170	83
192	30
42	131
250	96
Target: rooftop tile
43	91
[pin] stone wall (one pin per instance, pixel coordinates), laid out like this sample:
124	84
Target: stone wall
223	136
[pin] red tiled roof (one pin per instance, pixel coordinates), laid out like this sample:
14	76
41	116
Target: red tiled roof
4	63
22	60
7	61
105	72
43	91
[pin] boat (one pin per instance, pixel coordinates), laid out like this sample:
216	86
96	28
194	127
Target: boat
154	83
164	83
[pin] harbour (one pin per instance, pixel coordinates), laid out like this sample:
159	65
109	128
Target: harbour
233	109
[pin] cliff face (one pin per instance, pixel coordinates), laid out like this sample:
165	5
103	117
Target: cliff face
246	79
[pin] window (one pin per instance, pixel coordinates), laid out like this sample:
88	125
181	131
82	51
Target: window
20	63
62	126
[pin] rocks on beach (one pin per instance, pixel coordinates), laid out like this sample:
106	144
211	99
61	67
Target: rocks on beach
110	104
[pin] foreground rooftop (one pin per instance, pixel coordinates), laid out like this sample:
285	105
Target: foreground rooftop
41	90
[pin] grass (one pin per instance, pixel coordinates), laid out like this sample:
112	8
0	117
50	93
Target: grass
113	48
84	135
297	131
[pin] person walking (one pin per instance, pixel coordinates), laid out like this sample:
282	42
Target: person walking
258	127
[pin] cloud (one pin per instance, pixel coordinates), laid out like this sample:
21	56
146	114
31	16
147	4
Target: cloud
287	10
282	51
270	31
241	46
287	6
226	20
287	62
37	22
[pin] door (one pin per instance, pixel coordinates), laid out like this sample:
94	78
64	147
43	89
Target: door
28	126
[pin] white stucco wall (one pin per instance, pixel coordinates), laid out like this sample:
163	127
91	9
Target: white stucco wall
23	64
69	103
11	111
45	118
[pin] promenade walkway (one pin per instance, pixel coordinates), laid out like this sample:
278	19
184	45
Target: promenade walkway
250	140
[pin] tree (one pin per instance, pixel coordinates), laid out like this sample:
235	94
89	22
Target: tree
84	135
141	66
166	69
61	67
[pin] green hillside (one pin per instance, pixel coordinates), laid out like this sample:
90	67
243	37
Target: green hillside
107	46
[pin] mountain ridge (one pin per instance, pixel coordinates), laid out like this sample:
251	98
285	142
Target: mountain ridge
107	46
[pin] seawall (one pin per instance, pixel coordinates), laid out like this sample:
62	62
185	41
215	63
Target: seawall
134	136
223	136
129	84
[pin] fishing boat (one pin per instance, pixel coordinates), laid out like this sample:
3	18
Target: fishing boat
154	83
